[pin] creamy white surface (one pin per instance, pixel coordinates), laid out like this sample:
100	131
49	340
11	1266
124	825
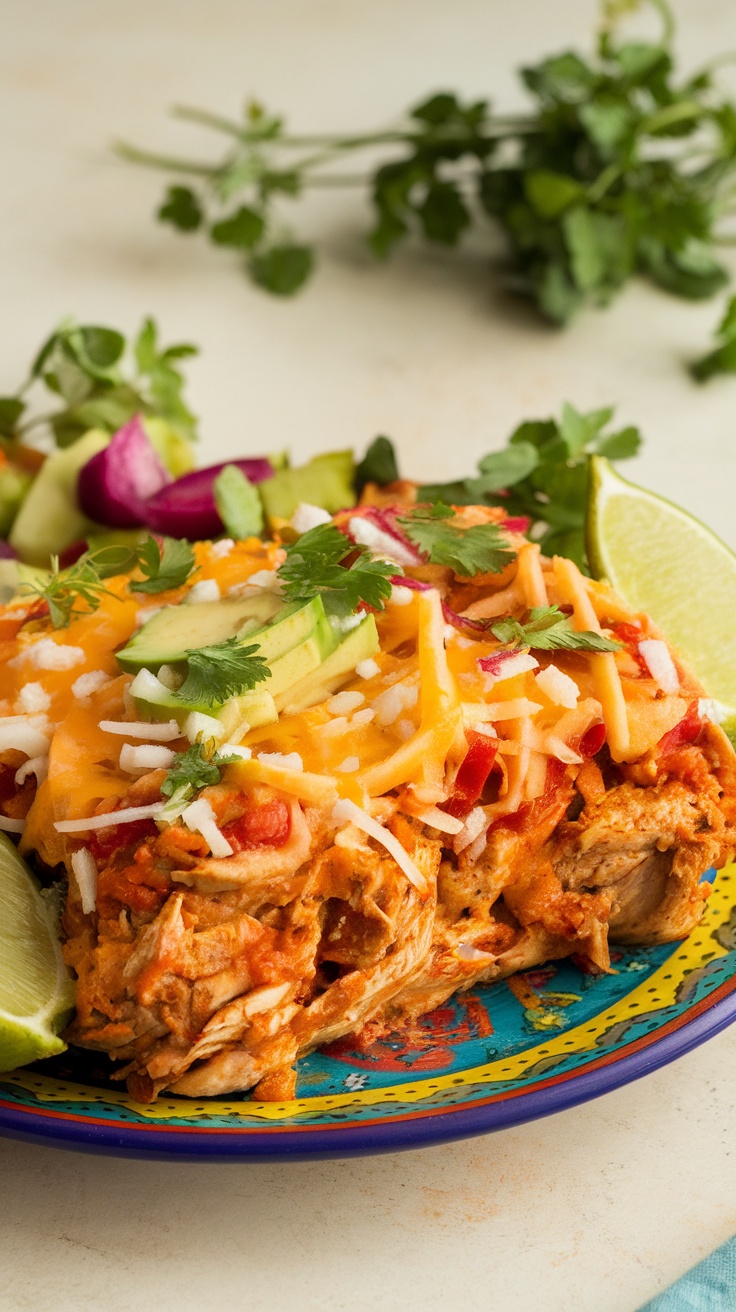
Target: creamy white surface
597	1207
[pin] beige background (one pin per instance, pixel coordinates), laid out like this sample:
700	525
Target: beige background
598	1207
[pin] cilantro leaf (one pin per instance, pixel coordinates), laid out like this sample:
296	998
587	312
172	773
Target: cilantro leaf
722	360
548	629
224	670
163	569
181	209
194	769
481	549
316	565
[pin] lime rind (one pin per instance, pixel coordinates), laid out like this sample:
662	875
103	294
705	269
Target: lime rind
665	562
36	992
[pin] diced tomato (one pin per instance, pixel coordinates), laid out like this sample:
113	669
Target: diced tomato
533	813
684	732
630	635
103	842
592	740
267	825
472	776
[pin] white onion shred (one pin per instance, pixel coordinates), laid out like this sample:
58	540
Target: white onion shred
401	596
233	749
345	702
389	705
85	873
222	548
375	539
307	516
38	765
149	756
22	733
88	683
660	664
475	823
164	731
367	669
9	826
710	709
559	687
349	765
49	655
346	812
520	664
127	816
204	590
200	817
281	760
33	699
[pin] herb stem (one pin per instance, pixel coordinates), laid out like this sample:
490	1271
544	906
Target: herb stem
170	163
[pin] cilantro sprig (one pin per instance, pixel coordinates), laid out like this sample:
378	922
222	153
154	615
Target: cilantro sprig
164	566
542	475
226	669
480	549
620	167
198	767
324	562
547	628
95	385
722	359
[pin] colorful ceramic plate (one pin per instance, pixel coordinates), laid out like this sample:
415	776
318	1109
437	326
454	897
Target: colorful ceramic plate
537	1043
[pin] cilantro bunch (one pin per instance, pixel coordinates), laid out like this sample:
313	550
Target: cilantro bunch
618	168
84	368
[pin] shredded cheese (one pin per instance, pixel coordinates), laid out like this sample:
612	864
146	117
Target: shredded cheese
346	812
33	699
307	516
345	702
109	819
282	760
656	657
149	756
204	590
85	873
163	731
603	664
559	687
46	654
89	683
367	669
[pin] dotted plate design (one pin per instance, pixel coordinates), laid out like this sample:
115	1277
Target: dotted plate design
505	1053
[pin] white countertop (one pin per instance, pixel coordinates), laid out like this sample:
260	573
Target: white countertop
598	1207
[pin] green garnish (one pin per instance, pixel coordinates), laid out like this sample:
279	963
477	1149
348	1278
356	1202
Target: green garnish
82	581
217	673
194	769
722	360
619	168
481	549
543	475
83	367
548	629
238	504
378	465
163	568
315	565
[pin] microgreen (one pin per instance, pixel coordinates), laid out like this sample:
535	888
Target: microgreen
84	368
81	582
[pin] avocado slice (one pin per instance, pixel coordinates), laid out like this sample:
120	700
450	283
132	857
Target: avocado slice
315	686
175	630
327	480
256	707
49	519
289	669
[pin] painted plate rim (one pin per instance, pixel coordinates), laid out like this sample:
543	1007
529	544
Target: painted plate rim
412	1126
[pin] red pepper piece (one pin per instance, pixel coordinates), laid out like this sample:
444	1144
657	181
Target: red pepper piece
592	740
472	775
684	732
268	825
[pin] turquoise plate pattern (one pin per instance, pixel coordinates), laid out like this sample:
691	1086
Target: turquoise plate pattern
539	1042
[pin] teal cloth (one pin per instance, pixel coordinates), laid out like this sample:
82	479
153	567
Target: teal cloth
709	1287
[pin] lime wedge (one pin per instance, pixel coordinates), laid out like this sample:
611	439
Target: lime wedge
665	562
36	993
